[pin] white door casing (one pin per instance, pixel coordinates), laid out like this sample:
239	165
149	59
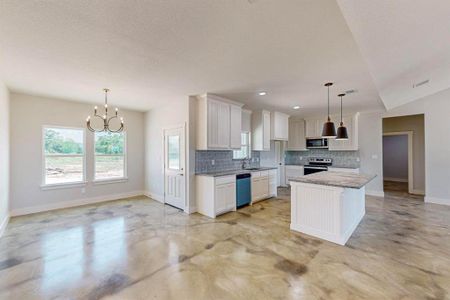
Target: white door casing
174	167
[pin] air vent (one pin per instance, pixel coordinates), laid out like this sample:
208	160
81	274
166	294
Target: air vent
421	83
350	91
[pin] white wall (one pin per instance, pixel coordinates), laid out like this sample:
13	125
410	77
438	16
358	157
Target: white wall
437	146
28	115
4	156
370	150
156	120
395	157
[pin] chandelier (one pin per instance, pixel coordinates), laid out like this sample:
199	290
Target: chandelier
105	119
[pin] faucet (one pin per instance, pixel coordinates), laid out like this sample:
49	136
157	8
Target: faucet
244	163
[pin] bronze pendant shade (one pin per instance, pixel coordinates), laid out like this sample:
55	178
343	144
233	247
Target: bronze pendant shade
342	134
328	131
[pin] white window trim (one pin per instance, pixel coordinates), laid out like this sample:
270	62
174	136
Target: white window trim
124	178
72	184
249	146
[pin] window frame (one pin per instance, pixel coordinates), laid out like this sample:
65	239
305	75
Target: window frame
249	146
45	185
124	178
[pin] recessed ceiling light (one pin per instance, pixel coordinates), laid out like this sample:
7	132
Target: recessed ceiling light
296	107
262	93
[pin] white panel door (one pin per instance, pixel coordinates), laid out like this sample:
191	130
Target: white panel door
235	126
221	195
174	167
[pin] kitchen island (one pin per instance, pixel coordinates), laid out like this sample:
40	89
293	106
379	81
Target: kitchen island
328	205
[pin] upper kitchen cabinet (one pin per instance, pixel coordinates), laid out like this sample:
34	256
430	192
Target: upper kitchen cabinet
279	126
218	123
351	122
261	130
297	140
314	127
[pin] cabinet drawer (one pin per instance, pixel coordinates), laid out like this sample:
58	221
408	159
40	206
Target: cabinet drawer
264	173
256	174
225	179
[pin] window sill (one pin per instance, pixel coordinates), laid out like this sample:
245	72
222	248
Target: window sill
69	185
110	181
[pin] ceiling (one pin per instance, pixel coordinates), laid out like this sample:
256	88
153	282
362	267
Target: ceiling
404	42
155	52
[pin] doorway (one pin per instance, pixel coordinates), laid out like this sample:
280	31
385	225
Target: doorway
174	167
404	155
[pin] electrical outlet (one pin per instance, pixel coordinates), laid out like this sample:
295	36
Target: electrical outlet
213	162
374	156
357	159
83	190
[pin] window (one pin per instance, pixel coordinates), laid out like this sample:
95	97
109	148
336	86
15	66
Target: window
110	155
63	155
245	151
173	149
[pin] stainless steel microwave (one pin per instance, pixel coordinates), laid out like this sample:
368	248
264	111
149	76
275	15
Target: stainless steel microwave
317	143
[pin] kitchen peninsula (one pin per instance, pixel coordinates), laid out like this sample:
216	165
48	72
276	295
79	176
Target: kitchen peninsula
328	205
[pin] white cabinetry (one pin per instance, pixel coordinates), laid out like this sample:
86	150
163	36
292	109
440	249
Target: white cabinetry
279	126
260	186
215	195
235	126
273	178
297	140
261	130
345	170
351	122
218	123
293	172
314	128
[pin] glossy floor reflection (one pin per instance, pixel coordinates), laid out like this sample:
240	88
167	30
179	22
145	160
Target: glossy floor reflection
140	249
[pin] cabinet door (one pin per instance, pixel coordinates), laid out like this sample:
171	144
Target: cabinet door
273	184
235	126
221	195
213	124
224	125
297	140
266	131
231	197
255	189
311	128
264	187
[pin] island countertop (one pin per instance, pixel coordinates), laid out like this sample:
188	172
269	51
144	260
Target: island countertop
337	179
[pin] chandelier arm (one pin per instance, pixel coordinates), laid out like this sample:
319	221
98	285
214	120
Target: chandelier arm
115	131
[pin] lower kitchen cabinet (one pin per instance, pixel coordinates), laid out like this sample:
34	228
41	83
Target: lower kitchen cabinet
260	186
292	172
273	176
215	195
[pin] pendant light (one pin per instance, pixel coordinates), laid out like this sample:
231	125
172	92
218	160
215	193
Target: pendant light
328	131
342	130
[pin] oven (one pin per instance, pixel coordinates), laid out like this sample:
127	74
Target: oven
313	169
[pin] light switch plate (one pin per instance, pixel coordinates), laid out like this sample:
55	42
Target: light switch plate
213	162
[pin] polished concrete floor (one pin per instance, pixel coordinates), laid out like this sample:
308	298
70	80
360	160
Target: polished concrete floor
399	190
140	249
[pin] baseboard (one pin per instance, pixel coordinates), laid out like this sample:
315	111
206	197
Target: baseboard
435	200
395	179
418	192
190	210
375	193
3	225
73	203
157	197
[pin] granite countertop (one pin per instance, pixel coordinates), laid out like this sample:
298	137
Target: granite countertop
338	179
235	172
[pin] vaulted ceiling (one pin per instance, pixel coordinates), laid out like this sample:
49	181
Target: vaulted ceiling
405	44
154	52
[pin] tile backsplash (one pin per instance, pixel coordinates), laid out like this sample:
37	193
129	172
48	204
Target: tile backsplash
348	159
216	161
